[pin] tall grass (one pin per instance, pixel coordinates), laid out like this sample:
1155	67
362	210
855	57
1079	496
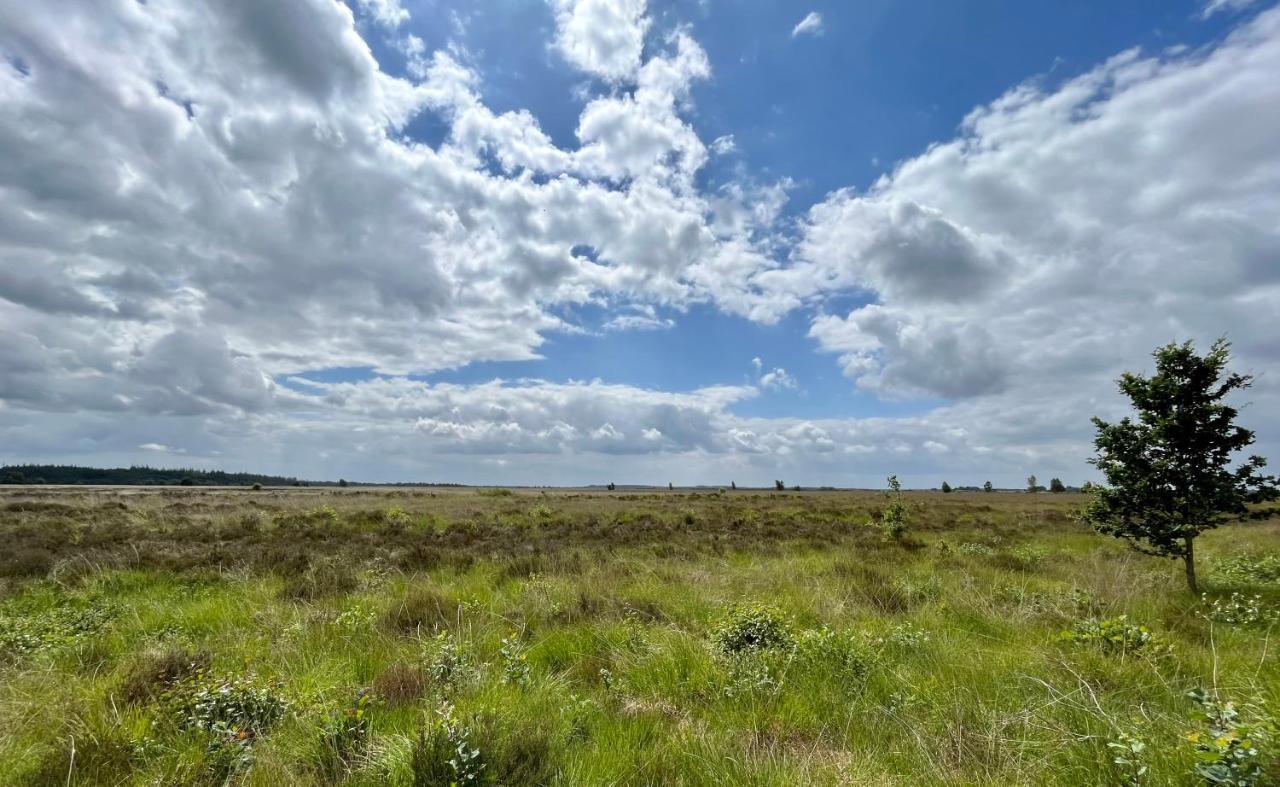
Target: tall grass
371	638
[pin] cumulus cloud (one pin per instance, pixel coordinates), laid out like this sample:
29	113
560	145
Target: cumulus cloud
249	177
604	38
811	25
777	379
1018	251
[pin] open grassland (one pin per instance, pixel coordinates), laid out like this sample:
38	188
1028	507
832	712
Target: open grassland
370	637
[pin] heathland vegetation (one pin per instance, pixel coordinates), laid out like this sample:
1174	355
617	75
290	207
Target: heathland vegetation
325	636
352	636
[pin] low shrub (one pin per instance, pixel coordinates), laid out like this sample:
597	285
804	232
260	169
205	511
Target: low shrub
904	637
1111	635
1246	569
448	665
973	549
344	735
445	753
515	661
27	631
1129	759
1231	749
237	709
1239	610
751	627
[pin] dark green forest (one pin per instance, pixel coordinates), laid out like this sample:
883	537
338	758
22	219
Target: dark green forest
136	475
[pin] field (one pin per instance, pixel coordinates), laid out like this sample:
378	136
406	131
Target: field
371	636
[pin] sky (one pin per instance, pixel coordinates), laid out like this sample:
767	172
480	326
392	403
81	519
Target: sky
583	241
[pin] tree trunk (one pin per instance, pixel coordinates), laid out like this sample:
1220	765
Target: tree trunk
1189	558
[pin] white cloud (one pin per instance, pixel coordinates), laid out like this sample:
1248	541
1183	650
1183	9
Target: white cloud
604	38
1062	236
388	13
723	145
160	448
777	379
1212	7
244	206
640	317
811	25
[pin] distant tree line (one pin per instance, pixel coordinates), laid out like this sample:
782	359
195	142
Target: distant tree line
138	475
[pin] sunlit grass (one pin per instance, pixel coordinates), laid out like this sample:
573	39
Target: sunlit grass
609	604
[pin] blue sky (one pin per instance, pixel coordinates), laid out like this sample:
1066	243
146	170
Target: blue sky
880	83
549	241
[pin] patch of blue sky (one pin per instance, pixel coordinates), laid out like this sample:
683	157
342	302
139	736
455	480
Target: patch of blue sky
886	79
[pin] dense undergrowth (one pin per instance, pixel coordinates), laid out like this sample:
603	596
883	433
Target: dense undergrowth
415	638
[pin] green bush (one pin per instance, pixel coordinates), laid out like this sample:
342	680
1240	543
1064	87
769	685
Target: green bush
26	631
1231	750
344	735
236	709
894	519
515	661
445	753
751	627
1112	635
1245	569
973	549
450	666
1239	610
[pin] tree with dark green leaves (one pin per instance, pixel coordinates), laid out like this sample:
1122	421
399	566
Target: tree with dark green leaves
987	487
1169	473
1056	486
778	485
1032	485
946	487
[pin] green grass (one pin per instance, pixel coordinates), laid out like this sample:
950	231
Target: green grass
572	638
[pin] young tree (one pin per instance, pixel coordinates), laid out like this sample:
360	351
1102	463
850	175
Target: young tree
987	487
733	484
1056	485
946	487
778	485
894	517
1032	486
1169	475
671	486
